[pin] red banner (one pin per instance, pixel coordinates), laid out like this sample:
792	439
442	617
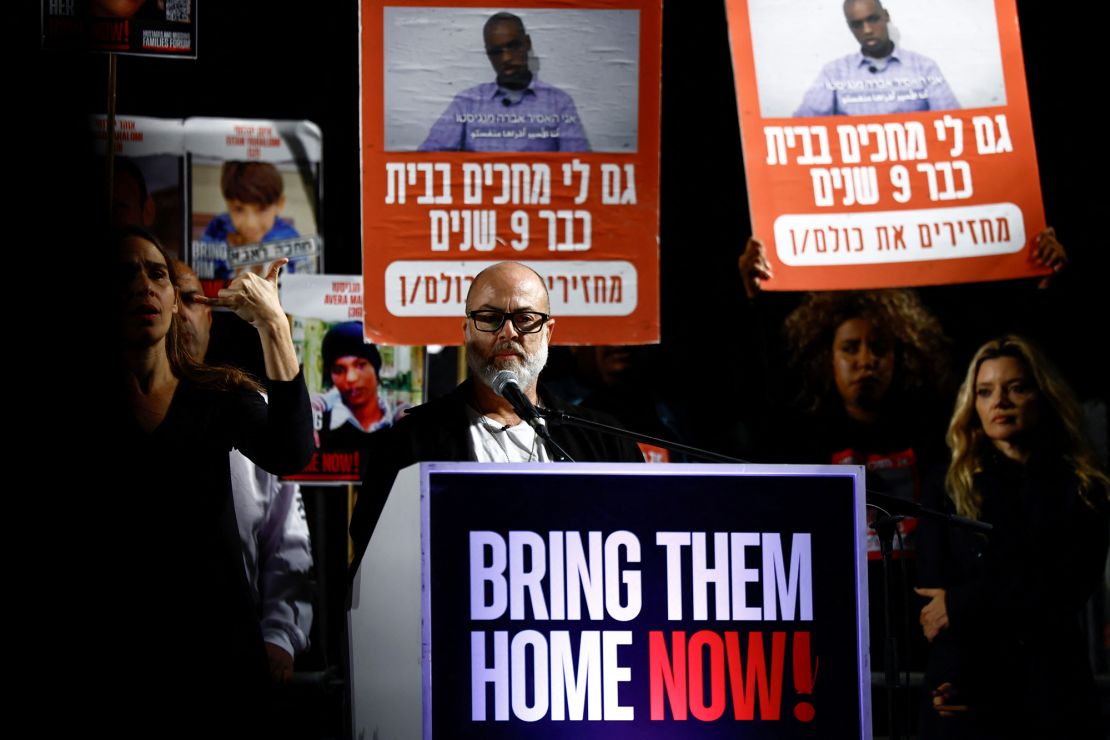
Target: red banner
886	145
532	137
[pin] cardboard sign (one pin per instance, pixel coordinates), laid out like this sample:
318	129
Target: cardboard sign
538	145
890	148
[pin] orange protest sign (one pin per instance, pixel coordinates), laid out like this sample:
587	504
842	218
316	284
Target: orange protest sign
530	136
886	145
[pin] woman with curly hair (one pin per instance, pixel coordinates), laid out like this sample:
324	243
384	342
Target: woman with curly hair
882	346
1008	658
872	365
873	368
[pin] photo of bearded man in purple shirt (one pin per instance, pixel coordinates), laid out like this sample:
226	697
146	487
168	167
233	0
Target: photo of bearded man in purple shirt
879	78
517	113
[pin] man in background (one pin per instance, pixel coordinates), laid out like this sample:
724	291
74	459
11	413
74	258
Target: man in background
273	530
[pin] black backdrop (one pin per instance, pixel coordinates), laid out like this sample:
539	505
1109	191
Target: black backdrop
259	60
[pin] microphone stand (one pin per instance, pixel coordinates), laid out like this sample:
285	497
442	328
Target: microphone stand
883	501
540	425
894	510
562	418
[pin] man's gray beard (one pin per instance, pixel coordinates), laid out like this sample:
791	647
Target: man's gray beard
526	369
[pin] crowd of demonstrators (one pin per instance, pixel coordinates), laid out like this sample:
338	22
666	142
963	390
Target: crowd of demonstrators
187	627
870	381
870	387
867	371
1008	658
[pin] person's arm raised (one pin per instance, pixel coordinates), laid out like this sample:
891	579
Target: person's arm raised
255	300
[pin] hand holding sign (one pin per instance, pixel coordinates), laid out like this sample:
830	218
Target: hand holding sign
1050	253
754	267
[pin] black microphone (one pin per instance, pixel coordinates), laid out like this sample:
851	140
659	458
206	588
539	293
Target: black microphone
506	385
506	102
873	69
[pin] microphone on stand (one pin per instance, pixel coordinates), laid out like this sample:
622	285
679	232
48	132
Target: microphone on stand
507	385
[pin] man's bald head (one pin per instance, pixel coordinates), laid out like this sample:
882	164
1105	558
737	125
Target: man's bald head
503	17
508	278
508	288
877	3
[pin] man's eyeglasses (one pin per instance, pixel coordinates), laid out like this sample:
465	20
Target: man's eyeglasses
525	322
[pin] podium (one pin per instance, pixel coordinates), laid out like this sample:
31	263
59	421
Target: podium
597	600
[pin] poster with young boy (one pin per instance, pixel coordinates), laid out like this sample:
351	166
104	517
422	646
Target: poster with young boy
357	387
164	28
886	143
147	163
255	197
529	135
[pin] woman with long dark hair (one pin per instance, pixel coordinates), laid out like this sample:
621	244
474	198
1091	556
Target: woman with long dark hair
190	628
1008	658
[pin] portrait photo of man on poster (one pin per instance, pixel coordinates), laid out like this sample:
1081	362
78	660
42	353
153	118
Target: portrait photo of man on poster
875	57
538	80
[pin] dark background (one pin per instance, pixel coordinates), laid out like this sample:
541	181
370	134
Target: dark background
261	60
258	61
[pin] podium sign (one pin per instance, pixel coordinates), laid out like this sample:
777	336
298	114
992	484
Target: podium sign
697	601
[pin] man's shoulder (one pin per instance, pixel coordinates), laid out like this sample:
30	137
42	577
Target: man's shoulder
837	66
430	431
434	415
587	445
540	86
912	60
909	55
477	94
450	403
854	61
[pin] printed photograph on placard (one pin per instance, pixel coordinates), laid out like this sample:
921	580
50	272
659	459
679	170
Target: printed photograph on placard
870	58
356	388
527	134
148	156
536	80
886	144
146	192
144	27
254	198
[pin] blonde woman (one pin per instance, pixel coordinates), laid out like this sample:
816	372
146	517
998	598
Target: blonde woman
1008	658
